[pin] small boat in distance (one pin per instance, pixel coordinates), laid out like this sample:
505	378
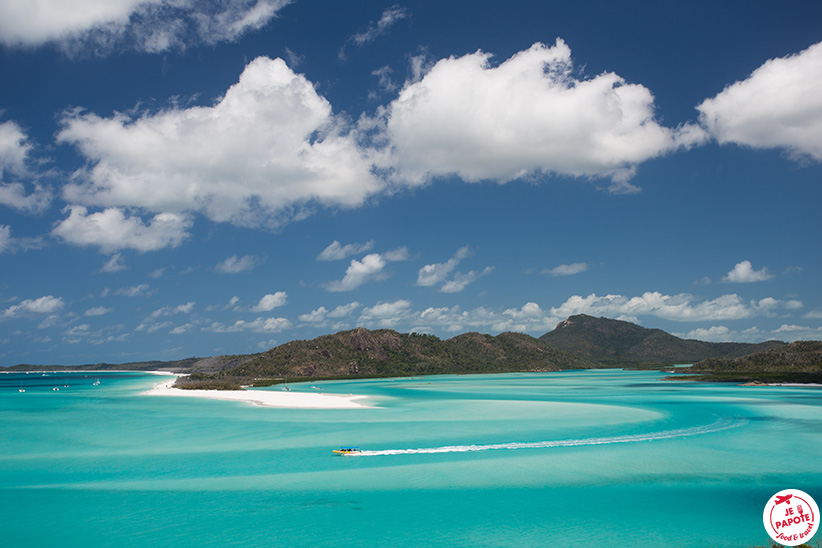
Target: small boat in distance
348	451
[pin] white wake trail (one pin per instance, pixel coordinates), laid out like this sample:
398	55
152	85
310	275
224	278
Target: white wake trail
722	424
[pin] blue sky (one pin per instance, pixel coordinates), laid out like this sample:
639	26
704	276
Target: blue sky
198	178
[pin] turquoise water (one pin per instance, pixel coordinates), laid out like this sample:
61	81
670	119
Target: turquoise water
578	458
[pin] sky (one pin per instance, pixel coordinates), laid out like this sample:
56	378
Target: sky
182	178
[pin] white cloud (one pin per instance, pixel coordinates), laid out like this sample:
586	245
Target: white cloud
98	311
344	310
5	238
9	243
399	254
815	314
374	30
524	117
172	310
778	106
153	327
14	195
743	272
680	307
718	333
315	316
235	265
264	154
47	304
385	314
114	264
271	301
112	230
260	325
359	272
336	251
134	291
436	273
793	332
14	150
147	25
387	19
530	318
180	329
321	314
566	269
459	281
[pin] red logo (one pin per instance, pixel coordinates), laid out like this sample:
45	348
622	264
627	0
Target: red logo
791	517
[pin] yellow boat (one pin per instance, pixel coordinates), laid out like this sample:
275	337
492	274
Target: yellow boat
347	451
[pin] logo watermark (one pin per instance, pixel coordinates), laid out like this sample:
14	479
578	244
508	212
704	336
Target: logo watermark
791	517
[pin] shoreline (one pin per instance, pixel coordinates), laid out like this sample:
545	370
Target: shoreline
263	398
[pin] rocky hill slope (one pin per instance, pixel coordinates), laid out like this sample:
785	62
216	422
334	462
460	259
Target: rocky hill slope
619	343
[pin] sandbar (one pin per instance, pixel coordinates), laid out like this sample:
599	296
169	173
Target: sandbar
265	398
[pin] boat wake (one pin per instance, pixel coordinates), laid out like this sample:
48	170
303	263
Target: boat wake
718	426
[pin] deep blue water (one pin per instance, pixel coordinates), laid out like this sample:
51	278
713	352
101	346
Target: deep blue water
578	458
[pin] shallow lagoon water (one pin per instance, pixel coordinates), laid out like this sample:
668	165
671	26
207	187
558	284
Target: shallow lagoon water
578	458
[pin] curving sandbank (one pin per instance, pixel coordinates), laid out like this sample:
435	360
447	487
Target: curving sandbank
266	398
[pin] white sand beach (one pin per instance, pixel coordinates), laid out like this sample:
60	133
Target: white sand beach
266	398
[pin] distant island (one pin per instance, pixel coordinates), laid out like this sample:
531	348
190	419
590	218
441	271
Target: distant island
579	342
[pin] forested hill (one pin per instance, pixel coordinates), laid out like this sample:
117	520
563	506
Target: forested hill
799	361
364	353
619	343
579	342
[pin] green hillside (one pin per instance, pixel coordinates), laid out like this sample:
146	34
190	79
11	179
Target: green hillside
364	353
616	343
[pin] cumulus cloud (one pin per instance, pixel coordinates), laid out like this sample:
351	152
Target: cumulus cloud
146	25
743	272
530	318
14	151
47	304
680	307
234	264
336	251
718	333
172	310
271	301
793	332
778	106
526	116
112	230
438	273
385	314
320	315
260	325
566	269
370	268
264	154
459	281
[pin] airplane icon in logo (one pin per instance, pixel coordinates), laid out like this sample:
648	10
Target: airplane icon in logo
780	500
